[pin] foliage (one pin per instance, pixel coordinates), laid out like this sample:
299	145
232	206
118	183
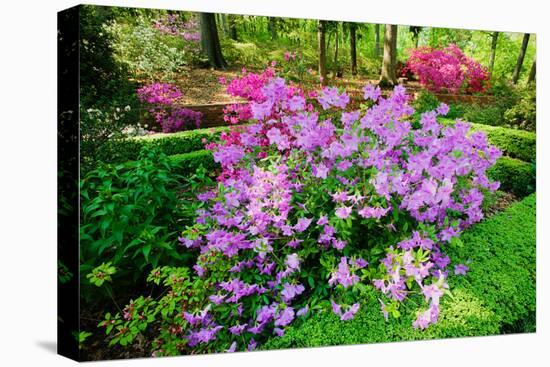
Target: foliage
447	69
285	215
163	314
129	217
523	114
98	128
485	302
101	274
147	52
105	80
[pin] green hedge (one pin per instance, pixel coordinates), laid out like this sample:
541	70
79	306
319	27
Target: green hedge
515	143
189	162
117	151
515	176
496	296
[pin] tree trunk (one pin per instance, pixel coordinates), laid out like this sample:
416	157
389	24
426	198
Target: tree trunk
210	41
532	72
388	77
273	28
353	48
321	32
521	56
224	25
336	44
494	41
232	27
415	34
377	40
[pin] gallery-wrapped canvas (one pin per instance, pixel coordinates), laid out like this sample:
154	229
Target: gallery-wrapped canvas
231	183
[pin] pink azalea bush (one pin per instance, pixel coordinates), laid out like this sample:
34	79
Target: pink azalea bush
315	204
447	69
162	99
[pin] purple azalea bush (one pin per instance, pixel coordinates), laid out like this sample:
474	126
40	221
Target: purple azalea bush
314	204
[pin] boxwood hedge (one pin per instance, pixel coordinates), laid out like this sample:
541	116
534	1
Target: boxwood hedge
496	296
117	151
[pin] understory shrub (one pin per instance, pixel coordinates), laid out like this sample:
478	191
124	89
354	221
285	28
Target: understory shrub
315	208
447	69
498	293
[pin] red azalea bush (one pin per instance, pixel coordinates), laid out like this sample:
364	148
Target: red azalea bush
447	69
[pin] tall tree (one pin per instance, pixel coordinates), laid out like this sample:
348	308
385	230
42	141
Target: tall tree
353	47
415	34
272	25
224	24
377	40
210	42
388	75
521	56
232	27
321	33
336	45
494	41
532	72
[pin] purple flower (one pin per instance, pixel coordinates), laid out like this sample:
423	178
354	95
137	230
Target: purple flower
302	311
290	291
343	275
343	212
232	348
302	224
322	220
292	261
350	313
284	317
461	269
442	109
237	329
371	92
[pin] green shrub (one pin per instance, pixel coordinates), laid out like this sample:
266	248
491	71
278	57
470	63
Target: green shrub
425	101
130	216
117	151
515	176
497	294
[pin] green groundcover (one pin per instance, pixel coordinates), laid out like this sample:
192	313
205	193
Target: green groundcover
496	296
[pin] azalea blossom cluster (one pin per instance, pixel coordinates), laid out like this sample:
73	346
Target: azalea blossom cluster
447	69
173	25
162	100
308	191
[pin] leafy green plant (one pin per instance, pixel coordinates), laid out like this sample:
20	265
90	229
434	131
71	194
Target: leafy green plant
101	274
163	313
130	215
